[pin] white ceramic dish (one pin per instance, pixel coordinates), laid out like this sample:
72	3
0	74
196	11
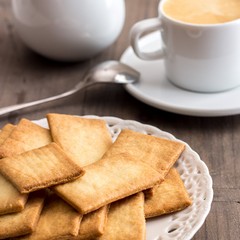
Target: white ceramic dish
154	89
184	224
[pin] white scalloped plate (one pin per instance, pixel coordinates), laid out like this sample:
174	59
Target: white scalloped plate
184	224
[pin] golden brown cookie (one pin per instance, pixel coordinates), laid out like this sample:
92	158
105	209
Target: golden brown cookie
84	140
58	220
159	153
5	132
106	181
24	137
168	196
126	219
11	200
24	222
93	224
39	168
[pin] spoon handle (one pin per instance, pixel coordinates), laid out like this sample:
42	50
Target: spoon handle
16	107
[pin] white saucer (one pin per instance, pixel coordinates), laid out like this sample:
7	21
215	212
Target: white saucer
155	90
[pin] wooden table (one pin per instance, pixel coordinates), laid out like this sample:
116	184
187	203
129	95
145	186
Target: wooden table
26	76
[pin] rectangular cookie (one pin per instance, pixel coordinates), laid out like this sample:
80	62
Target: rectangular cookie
106	181
58	220
126	219
93	224
24	222
159	153
168	196
39	168
24	137
11	200
5	132
83	140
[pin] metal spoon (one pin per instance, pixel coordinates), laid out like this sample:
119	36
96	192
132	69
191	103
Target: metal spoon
106	72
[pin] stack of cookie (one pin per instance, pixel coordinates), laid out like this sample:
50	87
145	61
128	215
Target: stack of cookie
71	182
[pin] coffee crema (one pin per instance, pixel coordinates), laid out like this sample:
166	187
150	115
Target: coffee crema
203	11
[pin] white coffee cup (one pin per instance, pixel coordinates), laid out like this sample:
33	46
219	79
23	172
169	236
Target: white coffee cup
197	57
68	30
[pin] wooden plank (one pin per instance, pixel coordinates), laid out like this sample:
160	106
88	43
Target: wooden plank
222	222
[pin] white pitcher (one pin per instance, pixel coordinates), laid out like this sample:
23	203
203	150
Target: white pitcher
68	30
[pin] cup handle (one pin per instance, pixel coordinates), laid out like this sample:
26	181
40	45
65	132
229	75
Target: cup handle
140	28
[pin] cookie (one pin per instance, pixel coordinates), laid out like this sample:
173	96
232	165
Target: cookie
5	132
159	153
24	137
93	224
83	140
58	220
106	181
24	222
11	200
168	196
126	219
39	168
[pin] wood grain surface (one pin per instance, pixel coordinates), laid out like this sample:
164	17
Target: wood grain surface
26	76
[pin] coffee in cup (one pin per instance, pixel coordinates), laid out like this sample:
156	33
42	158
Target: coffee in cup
203	11
201	52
